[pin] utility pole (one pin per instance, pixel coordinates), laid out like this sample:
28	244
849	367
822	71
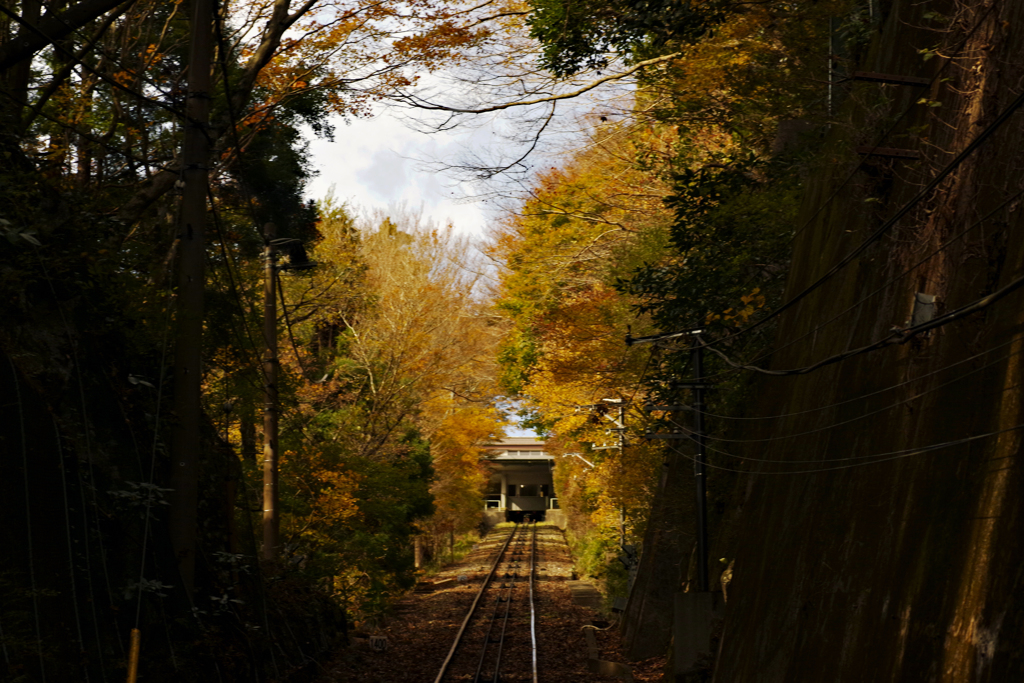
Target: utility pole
271	520
700	462
620	426
620	423
697	386
620	429
185	442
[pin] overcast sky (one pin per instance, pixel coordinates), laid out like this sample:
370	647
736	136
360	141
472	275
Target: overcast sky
381	162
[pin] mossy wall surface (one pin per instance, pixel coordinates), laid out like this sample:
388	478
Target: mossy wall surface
908	568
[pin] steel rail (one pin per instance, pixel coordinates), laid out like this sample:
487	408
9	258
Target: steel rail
501	638
472	608
533	615
533	641
490	625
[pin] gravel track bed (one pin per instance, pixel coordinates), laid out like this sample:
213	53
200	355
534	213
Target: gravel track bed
423	626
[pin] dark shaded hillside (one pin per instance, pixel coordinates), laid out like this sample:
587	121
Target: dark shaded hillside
850	565
83	453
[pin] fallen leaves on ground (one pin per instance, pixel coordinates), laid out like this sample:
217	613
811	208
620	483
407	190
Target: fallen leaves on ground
423	625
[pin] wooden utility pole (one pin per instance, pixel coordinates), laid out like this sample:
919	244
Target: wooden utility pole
700	462
271	520
698	386
185	442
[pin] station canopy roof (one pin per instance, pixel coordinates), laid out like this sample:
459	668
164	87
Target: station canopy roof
517	449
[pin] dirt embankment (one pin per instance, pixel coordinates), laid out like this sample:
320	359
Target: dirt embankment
860	556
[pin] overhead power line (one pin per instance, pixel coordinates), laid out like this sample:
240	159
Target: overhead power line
862	397
947	244
884	228
889	224
935	77
862	460
897	336
877	411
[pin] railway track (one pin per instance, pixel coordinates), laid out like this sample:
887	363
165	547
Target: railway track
498	635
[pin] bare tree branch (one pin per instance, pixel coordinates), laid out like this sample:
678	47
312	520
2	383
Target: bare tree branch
52	26
413	101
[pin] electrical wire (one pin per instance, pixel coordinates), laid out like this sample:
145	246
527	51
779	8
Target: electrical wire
288	325
91	473
81	483
235	292
873	412
862	396
892	221
935	78
892	280
247	494
851	256
843	422
640	379
222	52
150	493
88	573
832	197
865	460
733	369
139	75
88	136
897	336
235	289
60	76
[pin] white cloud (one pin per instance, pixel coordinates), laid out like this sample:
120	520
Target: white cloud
379	162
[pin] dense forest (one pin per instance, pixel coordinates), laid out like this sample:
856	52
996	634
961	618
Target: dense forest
238	420
141	488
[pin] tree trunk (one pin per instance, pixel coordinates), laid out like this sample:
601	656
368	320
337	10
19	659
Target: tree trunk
21	72
271	517
185	443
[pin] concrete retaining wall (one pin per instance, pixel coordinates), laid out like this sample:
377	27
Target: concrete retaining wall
556	517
